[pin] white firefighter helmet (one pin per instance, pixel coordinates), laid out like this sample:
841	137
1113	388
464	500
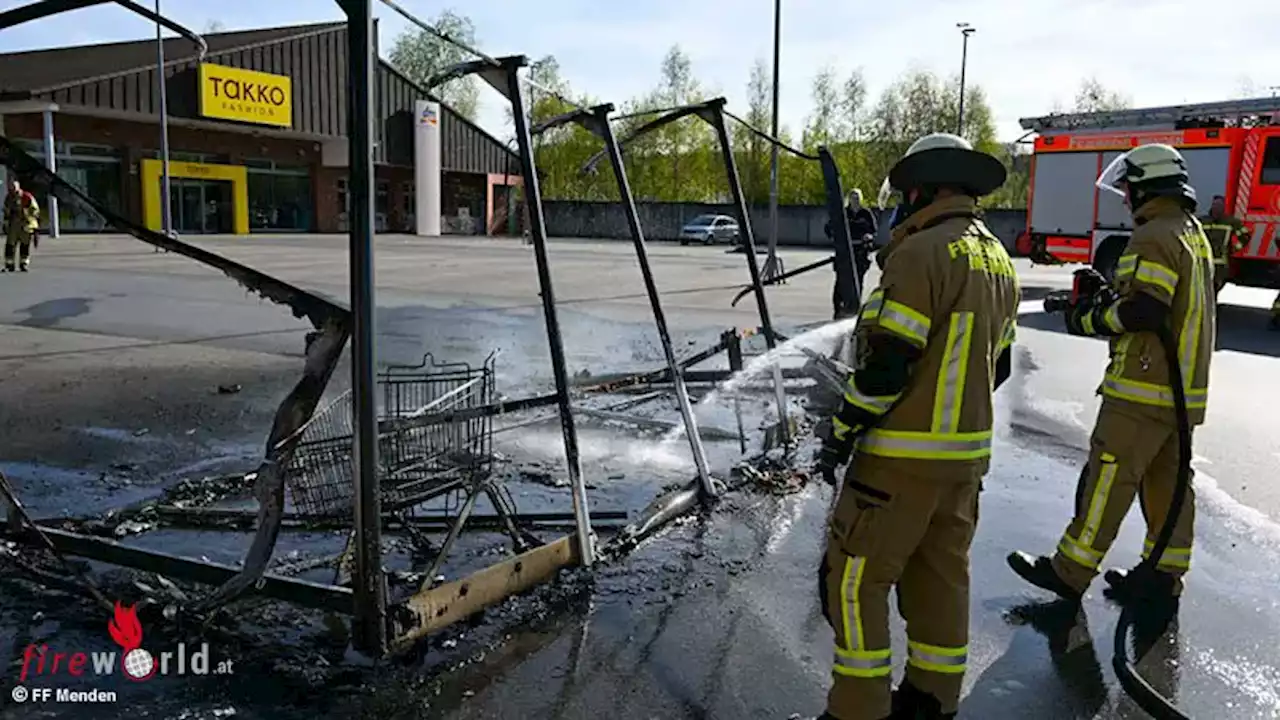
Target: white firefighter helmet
945	159
1144	164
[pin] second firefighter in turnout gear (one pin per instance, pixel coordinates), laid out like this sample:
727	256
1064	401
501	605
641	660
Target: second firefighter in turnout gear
21	218
1227	236
1164	279
862	234
933	341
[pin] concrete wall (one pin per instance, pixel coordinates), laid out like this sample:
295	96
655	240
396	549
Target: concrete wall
797	224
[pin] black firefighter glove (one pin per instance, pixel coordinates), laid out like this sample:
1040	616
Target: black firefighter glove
1091	296
837	447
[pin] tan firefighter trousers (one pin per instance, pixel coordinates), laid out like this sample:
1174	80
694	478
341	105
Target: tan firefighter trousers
1130	455
913	532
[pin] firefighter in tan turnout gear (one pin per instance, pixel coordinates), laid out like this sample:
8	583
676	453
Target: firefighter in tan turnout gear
933	341
1165	278
20	218
1227	236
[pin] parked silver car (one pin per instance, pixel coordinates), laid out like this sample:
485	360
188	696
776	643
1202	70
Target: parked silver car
709	229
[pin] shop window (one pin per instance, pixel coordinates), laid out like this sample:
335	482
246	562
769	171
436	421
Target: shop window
382	201
279	199
93	169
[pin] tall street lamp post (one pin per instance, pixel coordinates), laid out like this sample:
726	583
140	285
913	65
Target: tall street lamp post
771	268
966	30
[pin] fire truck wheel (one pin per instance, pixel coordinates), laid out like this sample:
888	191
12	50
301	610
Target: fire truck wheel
1108	256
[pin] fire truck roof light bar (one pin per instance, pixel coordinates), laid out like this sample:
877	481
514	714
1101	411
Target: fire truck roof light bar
1166	115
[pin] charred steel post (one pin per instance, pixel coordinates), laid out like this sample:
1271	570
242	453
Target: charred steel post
715	115
848	293
370	634
601	115
538	234
733	345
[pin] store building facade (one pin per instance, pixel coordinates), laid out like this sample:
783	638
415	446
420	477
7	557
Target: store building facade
256	136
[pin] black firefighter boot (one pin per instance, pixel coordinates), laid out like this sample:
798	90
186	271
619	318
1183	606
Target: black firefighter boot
1144	586
1038	570
911	703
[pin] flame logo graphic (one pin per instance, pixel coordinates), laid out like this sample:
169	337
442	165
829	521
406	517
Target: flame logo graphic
125	628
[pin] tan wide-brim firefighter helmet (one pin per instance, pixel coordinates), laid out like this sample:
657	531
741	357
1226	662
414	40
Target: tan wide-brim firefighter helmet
943	159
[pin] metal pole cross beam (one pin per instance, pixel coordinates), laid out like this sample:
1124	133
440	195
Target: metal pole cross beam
370	588
538	234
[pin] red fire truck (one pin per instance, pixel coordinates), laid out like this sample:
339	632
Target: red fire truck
1232	149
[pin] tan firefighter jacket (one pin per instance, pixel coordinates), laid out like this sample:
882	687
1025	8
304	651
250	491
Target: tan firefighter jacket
950	289
21	212
1169	258
1227	236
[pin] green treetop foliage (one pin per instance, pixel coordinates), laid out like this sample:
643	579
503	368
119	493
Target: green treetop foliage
419	55
682	162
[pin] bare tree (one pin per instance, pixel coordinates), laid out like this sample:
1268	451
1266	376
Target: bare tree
853	104
420	55
759	109
1093	96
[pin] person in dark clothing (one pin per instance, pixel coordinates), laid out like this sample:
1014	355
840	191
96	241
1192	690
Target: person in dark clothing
862	234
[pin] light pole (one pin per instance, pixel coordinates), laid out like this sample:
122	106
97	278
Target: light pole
771	269
166	216
966	30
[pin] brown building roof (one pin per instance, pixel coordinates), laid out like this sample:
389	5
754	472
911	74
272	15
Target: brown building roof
38	71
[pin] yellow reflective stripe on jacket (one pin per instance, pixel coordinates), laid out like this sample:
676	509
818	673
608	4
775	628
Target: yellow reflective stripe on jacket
905	322
1085	557
934	658
1192	328
949	395
839	428
1009	336
863	663
1098	503
871	308
874	404
927	445
1149	394
1175	558
1127	265
1112	318
1156	274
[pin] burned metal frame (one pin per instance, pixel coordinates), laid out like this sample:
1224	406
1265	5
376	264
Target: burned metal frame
332	326
713	113
596	121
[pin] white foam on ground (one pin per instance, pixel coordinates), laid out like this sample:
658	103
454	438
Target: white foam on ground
1259	682
1238	518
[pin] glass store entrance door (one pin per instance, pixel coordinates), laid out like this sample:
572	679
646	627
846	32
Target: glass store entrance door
200	206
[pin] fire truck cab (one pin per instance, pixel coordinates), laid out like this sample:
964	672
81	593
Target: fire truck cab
1232	150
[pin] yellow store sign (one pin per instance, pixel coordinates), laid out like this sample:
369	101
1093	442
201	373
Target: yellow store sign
229	93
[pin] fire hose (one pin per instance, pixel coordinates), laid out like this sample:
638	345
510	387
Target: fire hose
1147	697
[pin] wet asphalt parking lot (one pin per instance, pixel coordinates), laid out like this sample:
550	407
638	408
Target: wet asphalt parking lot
110	356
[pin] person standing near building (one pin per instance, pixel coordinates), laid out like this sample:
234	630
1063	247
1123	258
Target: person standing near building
1163	281
935	339
21	219
1227	236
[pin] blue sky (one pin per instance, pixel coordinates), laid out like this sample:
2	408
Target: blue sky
1027	55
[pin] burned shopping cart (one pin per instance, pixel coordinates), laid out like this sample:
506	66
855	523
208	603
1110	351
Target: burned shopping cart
436	459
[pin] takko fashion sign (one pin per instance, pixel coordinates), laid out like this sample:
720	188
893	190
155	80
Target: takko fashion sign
229	93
